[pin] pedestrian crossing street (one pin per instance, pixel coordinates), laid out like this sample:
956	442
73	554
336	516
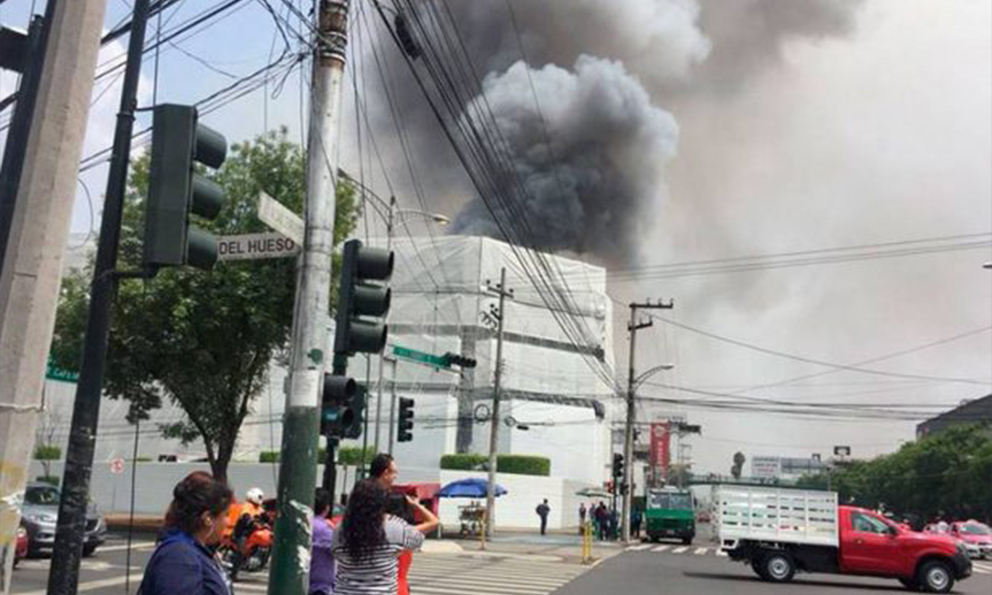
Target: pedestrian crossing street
479	574
979	567
691	550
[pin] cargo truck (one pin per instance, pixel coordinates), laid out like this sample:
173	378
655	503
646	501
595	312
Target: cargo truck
782	531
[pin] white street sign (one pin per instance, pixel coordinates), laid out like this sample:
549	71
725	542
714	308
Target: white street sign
254	246
272	213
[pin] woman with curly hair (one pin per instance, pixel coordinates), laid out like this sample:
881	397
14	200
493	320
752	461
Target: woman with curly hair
182	562
367	544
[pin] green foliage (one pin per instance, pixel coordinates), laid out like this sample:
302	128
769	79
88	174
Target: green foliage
54	480
947	474
518	464
523	465
353	455
203	340
268	456
46	452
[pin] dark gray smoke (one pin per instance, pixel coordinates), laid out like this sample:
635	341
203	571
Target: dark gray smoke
649	52
585	190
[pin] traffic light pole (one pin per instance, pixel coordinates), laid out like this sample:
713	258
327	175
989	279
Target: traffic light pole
63	578
309	347
628	435
503	293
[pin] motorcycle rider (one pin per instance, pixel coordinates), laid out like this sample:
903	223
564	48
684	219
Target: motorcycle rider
248	519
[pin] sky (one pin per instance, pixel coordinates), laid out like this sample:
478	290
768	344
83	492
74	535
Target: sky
787	127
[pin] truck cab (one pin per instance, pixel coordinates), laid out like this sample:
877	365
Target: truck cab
669	512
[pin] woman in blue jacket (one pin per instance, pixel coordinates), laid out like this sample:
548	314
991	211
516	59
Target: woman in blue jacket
182	564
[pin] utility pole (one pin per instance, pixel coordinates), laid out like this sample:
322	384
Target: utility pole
500	315
628	438
392	405
308	353
63	578
39	230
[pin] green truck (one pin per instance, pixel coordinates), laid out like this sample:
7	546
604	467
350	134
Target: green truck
669	513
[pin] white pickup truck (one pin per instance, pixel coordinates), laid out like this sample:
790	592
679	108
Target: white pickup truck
780	531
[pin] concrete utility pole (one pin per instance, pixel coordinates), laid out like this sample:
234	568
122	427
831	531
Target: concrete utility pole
392	405
70	531
500	315
32	268
628	437
382	354
297	472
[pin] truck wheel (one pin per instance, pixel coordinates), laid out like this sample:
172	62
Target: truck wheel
687	540
758	566
778	567
935	577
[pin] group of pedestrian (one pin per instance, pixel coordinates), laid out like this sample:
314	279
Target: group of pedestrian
368	553
604	520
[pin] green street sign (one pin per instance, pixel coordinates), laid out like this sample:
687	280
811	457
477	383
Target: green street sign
421	357
60	375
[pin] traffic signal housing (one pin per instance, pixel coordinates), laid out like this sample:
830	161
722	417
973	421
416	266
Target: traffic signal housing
454	359
342	407
617	465
362	306
405	422
176	190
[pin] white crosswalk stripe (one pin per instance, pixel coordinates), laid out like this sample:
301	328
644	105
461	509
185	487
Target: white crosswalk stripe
680	550
457	574
661	548
982	568
701	551
639	548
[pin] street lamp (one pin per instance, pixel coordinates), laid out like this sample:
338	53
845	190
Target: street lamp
651	372
987	265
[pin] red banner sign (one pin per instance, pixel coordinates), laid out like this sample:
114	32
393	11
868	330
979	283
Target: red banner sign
661	453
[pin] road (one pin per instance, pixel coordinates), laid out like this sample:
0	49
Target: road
431	574
673	569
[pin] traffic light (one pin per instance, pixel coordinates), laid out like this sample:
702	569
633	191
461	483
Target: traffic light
405	422
342	407
617	465
454	359
176	190
357	298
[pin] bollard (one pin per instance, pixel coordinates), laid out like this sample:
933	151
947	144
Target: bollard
587	543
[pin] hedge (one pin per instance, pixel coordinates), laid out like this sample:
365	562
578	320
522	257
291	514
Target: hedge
517	464
47	453
268	456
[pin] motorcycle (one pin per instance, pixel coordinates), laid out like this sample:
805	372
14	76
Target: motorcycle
248	547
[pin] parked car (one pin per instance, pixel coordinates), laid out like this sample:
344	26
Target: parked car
976	537
782	531
21	546
40	512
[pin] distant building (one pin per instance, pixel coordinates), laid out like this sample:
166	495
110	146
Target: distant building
974	411
785	468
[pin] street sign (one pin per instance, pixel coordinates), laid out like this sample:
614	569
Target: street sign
842	451
253	246
54	373
420	356
272	213
117	466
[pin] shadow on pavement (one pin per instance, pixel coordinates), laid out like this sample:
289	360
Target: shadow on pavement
814	583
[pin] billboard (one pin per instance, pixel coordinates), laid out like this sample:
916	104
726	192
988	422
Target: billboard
660	455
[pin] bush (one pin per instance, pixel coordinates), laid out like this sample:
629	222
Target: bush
352	455
268	456
517	464
524	465
49	479
45	452
464	462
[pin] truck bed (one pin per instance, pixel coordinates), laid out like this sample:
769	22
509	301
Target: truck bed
771	514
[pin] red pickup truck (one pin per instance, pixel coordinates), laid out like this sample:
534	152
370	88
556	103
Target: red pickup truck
779	532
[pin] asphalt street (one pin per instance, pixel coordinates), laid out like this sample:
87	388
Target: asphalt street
672	569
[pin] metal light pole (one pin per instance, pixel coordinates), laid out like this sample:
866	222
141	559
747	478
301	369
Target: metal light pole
393	217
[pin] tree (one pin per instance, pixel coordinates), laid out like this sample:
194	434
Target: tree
46	450
204	340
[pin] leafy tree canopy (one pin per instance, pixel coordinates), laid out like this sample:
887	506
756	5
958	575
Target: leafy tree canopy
205	340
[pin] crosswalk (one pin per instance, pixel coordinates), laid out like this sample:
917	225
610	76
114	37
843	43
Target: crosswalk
457	574
982	567
690	550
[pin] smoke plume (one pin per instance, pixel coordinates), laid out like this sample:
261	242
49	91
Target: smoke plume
588	186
